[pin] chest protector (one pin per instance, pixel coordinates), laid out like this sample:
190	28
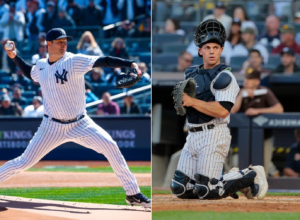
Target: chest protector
203	78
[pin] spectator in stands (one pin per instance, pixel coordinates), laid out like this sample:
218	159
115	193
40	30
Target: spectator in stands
235	34
4	8
18	98
74	11
36	109
42	38
9	108
219	14
288	65
292	163
92	15
249	43
63	20
235	38
88	45
144	27
241	14
130	107
41	54
126	29
185	60
255	62
108	107
90	96
172	26
252	104
3	92
21	79
146	78
272	36
130	9
287	34
111	11
12	23
50	15
281	9
111	77
118	48
97	75
35	23
297	22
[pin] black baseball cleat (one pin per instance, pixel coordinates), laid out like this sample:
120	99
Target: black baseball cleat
139	199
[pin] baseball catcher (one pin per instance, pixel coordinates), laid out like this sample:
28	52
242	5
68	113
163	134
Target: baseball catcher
206	96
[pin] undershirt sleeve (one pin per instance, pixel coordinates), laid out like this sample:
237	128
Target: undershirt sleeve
226	105
23	66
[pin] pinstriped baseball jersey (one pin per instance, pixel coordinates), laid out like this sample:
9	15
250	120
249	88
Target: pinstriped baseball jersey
62	84
205	151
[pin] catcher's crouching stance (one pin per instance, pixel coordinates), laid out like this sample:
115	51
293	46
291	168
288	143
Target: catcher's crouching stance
206	97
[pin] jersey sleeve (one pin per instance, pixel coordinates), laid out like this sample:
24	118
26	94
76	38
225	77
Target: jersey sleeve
229	93
83	63
34	73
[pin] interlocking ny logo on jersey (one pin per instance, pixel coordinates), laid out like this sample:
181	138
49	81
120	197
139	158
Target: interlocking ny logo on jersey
62	77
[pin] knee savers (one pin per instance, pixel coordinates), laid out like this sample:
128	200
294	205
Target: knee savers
179	186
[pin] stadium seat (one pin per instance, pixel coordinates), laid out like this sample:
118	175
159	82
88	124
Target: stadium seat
6	80
145	58
239	60
274	60
4	86
29	94
165	59
3	73
197	60
189	27
166	38
261	27
174	48
144	107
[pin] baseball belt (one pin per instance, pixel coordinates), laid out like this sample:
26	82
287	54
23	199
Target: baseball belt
201	128
66	121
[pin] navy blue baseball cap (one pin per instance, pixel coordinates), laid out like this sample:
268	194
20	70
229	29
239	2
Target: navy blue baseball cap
57	33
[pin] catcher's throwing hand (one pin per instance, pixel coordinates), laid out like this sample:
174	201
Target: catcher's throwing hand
187	100
10	48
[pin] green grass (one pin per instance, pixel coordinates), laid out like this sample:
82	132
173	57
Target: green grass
180	215
133	169
103	195
269	194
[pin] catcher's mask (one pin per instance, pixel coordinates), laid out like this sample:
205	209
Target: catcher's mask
210	31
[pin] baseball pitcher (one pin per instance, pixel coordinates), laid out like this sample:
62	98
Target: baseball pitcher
61	77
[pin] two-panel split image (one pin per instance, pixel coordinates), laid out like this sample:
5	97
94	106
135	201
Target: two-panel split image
149	109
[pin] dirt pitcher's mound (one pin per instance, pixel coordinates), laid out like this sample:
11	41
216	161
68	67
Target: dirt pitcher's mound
69	179
39	209
164	202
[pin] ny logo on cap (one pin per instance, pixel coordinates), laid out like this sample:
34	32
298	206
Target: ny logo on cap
62	77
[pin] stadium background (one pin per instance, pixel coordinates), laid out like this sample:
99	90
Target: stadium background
168	136
135	146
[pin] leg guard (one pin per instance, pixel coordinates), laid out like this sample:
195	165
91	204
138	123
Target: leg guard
234	182
179	186
228	185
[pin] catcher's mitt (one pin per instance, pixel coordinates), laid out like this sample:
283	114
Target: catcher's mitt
128	79
187	86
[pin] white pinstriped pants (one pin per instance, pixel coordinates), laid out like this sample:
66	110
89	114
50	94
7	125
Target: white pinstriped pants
85	132
205	152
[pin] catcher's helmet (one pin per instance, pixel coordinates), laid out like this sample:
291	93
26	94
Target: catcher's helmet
210	31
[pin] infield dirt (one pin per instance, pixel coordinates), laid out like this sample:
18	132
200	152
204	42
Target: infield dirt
166	202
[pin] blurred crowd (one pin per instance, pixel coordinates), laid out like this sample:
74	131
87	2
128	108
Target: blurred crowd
26	22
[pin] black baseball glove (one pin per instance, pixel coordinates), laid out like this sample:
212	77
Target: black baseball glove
128	79
187	86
